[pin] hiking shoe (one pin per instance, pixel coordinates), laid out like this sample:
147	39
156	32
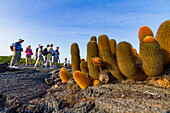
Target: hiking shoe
10	66
51	67
15	67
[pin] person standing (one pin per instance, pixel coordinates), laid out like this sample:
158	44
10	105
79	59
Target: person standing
56	57
28	52
17	49
50	51
40	56
45	52
65	62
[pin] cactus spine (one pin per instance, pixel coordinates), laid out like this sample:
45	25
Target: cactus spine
92	51
126	62
163	37
81	79
75	57
84	68
108	60
112	43
64	75
151	56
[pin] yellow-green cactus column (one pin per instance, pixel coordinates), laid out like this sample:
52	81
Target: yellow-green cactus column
108	60
112	43
92	51
163	37
64	75
75	57
126	62
84	67
81	79
93	38
151	56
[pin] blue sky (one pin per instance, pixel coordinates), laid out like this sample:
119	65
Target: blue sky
63	22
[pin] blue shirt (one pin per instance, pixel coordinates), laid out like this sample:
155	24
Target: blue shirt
18	46
57	55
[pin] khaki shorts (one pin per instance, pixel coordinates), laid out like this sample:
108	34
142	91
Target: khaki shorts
49	56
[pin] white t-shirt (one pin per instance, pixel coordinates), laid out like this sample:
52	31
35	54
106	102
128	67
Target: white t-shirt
50	50
40	51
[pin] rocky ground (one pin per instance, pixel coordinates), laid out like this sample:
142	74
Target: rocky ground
24	90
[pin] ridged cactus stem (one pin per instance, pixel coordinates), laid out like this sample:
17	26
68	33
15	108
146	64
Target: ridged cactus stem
75	57
151	57
163	37
127	63
108	60
92	51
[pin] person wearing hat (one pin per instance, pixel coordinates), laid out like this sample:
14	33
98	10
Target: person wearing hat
28	52
40	56
17	49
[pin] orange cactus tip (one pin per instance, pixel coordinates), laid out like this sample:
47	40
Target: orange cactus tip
149	39
64	75
163	83
96	82
135	51
81	79
82	59
144	31
97	61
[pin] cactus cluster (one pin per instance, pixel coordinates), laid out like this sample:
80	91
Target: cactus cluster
121	61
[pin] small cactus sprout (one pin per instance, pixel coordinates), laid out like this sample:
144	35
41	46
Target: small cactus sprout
93	38
81	79
96	82
84	67
64	75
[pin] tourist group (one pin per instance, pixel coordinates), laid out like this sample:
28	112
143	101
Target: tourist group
43	56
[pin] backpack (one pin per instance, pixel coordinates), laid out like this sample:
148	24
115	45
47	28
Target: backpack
37	50
11	46
45	51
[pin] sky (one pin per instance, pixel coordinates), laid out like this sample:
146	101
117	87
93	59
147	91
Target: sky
63	22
